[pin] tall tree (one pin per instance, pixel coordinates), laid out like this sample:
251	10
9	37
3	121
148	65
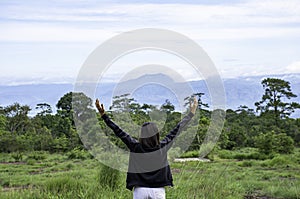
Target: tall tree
123	103
73	108
168	107
17	117
276	99
76	105
191	99
45	108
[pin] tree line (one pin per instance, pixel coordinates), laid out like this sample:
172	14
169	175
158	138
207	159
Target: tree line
269	127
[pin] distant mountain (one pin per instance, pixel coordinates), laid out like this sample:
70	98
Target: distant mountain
32	94
151	89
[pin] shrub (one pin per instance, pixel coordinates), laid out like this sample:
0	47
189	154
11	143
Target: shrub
246	164
284	143
279	161
31	161
253	156
77	153
265	142
243	156
70	166
224	154
37	155
190	154
17	156
270	142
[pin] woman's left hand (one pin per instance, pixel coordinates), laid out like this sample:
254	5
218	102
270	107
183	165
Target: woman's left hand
194	105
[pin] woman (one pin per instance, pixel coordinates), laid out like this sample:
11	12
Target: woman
148	171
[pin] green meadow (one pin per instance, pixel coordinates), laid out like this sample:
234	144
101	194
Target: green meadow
43	175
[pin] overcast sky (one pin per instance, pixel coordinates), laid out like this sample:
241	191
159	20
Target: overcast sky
48	41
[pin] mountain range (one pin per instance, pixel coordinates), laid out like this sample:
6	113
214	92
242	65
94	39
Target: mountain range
152	89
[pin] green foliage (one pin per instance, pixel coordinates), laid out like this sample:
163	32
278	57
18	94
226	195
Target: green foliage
78	153
62	185
3	122
277	178
30	161
37	155
17	156
60	144
242	155
284	144
190	154
270	142
45	109
167	107
266	143
17	118
246	164
109	177
56	132
273	99
7	141
280	161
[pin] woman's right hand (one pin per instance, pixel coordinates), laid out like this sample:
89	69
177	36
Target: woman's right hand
100	107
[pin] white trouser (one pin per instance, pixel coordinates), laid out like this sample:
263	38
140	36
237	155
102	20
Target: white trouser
149	193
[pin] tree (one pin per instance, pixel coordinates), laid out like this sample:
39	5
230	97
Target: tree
45	108
3	122
276	90
17	117
191	99
168	107
76	105
244	110
122	103
72	108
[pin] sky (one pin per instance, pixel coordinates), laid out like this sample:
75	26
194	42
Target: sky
48	41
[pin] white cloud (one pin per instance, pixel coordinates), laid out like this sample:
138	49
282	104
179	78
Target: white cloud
223	28
46	33
293	67
253	19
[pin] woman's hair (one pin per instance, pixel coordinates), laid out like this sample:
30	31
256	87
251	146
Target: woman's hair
149	136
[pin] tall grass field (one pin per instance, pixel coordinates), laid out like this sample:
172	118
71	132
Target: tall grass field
230	174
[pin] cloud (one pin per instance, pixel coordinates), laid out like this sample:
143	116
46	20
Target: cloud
261	35
293	67
251	19
20	32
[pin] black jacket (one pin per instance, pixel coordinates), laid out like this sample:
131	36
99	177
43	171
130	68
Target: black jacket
148	167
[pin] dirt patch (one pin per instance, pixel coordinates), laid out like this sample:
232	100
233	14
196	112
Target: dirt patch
13	163
17	188
40	171
175	170
258	197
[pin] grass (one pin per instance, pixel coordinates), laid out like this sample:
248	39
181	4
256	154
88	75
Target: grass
43	175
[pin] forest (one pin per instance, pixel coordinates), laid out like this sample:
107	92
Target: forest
268	128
